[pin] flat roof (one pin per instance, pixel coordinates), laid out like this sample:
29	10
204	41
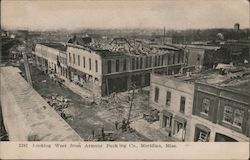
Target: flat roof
30	111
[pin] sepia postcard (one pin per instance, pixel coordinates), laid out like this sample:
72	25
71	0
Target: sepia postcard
124	79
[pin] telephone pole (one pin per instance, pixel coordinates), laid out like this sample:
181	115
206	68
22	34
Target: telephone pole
131	104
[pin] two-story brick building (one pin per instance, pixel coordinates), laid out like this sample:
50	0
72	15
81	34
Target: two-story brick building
206	107
114	70
221	113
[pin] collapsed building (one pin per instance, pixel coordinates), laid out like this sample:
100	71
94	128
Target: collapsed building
113	66
206	107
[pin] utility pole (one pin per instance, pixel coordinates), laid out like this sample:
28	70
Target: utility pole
131	103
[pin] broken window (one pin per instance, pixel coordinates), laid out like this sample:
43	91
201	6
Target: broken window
156	94
96	65
109	66
168	98
89	63
117	65
182	105
205	106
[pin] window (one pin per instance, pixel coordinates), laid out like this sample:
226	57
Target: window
150	61
168	98
159	61
169	59
179	58
182	105
78	60
69	57
228	114
133	63
203	136
74	60
109	66
146	62
156	94
137	63
233	116
141	63
96	66
238	117
155	60
89	63
124	65
166	122
174	59
117	65
83	61
205	106
162	59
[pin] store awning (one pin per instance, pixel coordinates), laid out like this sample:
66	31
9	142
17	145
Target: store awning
167	113
180	119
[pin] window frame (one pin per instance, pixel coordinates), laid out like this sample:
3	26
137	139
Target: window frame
156	94
181	104
204	101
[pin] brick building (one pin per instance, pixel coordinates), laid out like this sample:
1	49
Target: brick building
120	64
221	113
204	107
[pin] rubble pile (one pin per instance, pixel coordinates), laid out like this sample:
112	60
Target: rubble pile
60	104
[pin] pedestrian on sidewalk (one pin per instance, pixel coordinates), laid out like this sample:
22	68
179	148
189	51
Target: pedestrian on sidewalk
116	125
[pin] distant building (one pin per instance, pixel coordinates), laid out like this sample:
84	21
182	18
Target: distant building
236	27
51	58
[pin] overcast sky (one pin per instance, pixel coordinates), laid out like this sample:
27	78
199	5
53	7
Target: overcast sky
75	14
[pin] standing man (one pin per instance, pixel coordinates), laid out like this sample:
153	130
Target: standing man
116	125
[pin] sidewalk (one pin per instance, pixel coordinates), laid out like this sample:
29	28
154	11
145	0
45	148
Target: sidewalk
84	93
150	131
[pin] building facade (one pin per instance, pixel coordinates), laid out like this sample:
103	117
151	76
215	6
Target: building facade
173	97
51	58
220	114
116	70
